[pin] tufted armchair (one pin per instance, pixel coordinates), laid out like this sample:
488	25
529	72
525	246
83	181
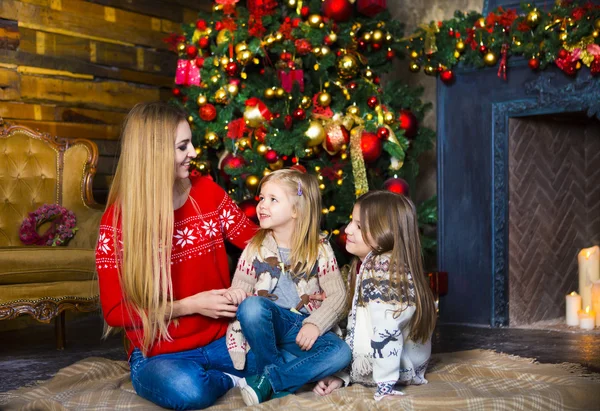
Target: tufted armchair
44	281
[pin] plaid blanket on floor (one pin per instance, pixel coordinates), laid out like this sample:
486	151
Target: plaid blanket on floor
466	380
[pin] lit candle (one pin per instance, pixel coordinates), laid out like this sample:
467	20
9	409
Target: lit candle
587	319
573	304
596	301
589	271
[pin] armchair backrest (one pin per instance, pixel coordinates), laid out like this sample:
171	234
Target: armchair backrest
37	168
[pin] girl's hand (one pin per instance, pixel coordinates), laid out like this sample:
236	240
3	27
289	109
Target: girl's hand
211	304
327	385
307	336
318	297
235	295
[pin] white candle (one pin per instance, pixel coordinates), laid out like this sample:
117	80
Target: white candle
587	319
573	303
596	301
589	271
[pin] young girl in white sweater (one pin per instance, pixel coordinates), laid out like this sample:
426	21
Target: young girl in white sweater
392	313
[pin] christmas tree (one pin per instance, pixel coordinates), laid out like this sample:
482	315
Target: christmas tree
298	84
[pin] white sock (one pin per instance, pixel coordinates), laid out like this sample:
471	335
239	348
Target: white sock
234	378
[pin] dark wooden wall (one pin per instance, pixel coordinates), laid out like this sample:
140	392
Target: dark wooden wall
74	68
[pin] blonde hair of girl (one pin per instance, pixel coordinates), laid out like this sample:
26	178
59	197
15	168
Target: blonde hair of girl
389	224
142	192
305	241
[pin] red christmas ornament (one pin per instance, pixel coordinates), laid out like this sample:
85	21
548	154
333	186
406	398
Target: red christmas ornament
377	80
335	139
352	85
207	112
191	51
362	44
271	156
483	49
451	32
372	102
176	92
304	11
376	46
232	162
248	207
408	123
303	46
200	62
203	42
231	68
563	54
285	56
298	167
383	133
219	25
299	114
390	54
447	76
370	146
396	185
201	25
534	63
595	66
260	134
337	10
287	122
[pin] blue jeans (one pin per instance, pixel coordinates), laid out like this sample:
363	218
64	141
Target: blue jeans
271	332
185	380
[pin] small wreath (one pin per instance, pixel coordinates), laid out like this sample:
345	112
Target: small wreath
62	229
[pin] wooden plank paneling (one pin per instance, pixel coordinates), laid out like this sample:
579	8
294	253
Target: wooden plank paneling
45	112
87	93
9	84
9	34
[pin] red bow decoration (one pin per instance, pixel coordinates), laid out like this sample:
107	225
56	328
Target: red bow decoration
262	107
236	129
187	73
258	9
287	79
502	65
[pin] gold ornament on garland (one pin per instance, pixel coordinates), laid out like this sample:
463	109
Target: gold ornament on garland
278	165
388	117
377	37
269	93
324	99
240	47
597	24
460	46
414	54
244	57
586	57
315	134
181	47
221	96
232	89
430	70
211	138
490	59
414	67
252	182
305	102
243	143
534	17
262	149
347	65
224	36
315	20
201	100
430	31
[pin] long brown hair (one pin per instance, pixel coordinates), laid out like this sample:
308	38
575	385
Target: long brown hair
305	241
142	192
389	225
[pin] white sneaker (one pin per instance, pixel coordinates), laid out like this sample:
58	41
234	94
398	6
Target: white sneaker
236	380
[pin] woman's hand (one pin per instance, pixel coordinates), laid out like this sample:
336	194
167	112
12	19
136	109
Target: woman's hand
211	304
307	336
327	385
235	295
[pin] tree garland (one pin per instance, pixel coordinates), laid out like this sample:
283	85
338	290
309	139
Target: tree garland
62	229
567	36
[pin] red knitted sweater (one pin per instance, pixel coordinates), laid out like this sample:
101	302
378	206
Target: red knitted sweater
198	263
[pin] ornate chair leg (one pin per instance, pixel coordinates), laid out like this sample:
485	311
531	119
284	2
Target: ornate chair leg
59	330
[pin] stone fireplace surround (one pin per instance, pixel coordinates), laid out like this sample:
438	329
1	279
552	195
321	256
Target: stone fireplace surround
473	125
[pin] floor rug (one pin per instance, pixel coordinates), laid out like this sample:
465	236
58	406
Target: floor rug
466	380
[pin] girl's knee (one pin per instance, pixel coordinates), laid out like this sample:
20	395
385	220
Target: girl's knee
251	309
177	394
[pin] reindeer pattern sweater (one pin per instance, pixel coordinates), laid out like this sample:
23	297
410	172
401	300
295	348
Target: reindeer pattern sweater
378	333
258	275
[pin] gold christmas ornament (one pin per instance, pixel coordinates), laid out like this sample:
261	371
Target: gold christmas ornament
314	20
369	116
278	36
232	89
324	51
315	134
198	151
460	46
278	165
369	74
347	66
252	182
309	152
414	67
456	54
414	54
389	38
262	149
221	96
253	117
240	47
190	119
244	57
266	172
224	61
595	34
203	167
217	7
305	102
490	59
181	47
279	92
563	36
243	143
224	36
368	36
211	138
269	93
534	17
292	4
215	78
388	117
377	36
353	110
429	70
597	24
201	100
332	37
324	99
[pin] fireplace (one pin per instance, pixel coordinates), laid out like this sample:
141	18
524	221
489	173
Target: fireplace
501	217
553	210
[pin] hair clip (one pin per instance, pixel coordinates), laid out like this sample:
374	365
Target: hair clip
299	189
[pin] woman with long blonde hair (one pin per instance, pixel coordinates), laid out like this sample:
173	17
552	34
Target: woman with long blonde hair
283	268
392	314
162	266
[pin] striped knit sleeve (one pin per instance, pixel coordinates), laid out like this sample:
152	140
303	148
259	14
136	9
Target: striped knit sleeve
245	274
